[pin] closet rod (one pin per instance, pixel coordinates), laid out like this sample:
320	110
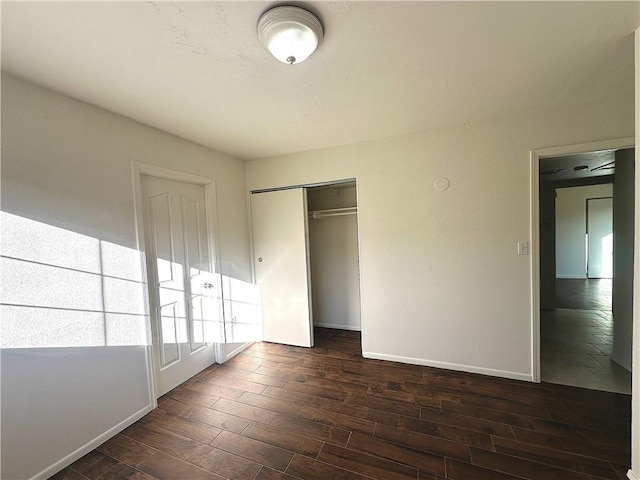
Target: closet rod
334	212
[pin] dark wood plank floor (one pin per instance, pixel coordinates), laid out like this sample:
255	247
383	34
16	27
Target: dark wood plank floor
276	412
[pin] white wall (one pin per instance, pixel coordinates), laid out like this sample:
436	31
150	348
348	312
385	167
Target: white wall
571	227
67	179
623	230
335	286
441	283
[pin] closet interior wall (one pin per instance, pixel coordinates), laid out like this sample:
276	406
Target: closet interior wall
333	248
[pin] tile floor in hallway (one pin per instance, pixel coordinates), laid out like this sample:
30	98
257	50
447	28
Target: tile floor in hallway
576	340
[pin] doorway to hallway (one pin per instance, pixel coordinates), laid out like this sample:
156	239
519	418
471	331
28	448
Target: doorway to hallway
583	339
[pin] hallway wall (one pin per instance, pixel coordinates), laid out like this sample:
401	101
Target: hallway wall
623	228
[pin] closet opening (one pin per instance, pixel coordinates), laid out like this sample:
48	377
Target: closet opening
334	265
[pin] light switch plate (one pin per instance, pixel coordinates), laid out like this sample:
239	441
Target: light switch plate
523	248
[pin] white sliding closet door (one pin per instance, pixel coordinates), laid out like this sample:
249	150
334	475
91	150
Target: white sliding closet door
281	260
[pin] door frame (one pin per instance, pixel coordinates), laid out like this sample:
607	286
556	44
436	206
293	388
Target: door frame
141	168
535	156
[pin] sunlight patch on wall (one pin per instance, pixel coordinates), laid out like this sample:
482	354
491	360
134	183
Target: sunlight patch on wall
64	289
606	256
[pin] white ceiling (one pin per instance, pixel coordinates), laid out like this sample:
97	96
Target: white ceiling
197	69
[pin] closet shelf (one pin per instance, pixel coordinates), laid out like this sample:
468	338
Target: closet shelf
334	212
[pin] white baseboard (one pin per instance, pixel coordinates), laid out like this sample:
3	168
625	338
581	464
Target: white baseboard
451	366
581	277
96	442
338	327
632	476
236	351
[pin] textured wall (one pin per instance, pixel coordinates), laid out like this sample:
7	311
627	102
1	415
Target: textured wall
67	173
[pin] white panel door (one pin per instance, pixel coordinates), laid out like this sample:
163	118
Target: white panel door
600	238
281	260
184	291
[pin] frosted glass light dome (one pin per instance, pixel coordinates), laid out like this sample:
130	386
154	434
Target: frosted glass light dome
291	34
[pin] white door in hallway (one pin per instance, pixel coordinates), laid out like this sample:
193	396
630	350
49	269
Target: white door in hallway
600	237
281	260
184	291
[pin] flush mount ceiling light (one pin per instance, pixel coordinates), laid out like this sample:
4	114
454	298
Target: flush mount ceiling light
291	34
